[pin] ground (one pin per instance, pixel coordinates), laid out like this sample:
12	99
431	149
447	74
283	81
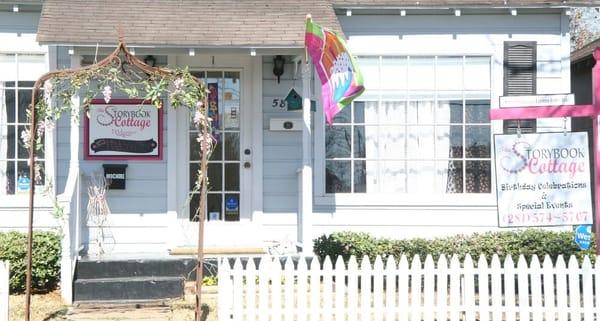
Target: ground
50	307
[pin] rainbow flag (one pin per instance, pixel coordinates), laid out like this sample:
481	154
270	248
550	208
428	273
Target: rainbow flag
340	76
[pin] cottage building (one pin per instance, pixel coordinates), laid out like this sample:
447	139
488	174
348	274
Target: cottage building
410	157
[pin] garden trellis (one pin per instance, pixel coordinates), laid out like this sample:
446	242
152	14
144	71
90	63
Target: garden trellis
120	71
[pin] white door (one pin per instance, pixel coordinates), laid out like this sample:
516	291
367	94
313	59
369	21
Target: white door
229	163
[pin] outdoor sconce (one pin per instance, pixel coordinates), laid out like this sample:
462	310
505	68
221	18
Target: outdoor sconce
150	61
278	63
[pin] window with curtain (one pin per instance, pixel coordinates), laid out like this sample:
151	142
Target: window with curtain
422	126
19	73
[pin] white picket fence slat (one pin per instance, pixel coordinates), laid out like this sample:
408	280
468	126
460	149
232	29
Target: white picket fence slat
4	290
415	290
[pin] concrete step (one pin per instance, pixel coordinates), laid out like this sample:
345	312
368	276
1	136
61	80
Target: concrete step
128	289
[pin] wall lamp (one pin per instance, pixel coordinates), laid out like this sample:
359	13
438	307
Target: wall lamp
457	12
192	52
16	8
150	61
253	52
348	12
278	63
513	12
403	13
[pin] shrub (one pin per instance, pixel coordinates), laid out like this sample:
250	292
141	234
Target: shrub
46	259
514	243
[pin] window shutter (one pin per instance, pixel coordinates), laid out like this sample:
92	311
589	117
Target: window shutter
519	68
520	79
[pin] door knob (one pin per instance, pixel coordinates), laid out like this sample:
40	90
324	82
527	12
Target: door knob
247	165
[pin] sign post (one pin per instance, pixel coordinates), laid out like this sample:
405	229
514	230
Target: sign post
593	111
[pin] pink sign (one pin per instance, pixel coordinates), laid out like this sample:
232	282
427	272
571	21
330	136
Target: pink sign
123	129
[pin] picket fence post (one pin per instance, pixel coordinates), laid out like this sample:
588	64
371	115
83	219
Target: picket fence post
399	290
4	290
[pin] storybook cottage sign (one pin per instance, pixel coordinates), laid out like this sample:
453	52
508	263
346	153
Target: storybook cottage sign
123	129
543	179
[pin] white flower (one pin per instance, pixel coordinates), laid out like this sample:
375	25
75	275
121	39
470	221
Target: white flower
107	92
26	137
205	141
48	91
199	105
178	83
198	117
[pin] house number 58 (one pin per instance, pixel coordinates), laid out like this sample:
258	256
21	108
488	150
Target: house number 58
281	103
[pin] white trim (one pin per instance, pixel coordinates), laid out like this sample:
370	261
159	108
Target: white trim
257	135
172	148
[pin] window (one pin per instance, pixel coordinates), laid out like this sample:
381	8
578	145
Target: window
519	79
422	126
19	72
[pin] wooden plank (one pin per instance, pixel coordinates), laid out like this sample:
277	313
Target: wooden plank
403	288
469	290
289	300
523	284
238	294
549	304
390	289
224	290
415	289
302	303
327	309
428	289
454	288
588	290
561	289
365	289
315	289
509	288
352	289
496	271
574	289
251	291
4	290
340	293
537	308
276	306
483	286
378	289
263	288
442	288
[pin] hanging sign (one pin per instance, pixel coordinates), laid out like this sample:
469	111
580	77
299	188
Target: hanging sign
213	108
543	179
123	129
583	236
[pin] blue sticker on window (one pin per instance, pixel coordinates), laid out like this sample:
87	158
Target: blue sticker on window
231	203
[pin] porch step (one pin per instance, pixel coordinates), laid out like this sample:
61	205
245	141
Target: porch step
128	289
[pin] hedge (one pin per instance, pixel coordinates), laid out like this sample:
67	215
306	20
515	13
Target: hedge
514	243
46	259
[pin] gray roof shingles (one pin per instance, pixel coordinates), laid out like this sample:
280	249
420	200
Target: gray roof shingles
217	23
223	23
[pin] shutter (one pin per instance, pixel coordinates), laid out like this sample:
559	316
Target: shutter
519	68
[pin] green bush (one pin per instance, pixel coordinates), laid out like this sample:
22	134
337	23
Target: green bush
46	259
514	243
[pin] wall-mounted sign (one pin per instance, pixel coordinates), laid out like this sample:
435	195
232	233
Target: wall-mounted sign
123	129
115	175
537	100
543	179
583	236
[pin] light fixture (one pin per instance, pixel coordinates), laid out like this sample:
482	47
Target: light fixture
457	12
132	51
71	51
192	52
348	12
150	61
568	12
252	52
513	12
278	63
16	8
403	13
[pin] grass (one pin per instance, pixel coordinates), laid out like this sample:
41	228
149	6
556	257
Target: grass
44	307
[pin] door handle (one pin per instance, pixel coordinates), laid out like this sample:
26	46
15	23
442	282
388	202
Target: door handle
247	165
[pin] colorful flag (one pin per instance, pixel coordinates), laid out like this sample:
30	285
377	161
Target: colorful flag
340	77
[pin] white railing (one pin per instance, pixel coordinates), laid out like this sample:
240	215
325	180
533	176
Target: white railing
70	203
4	290
412	291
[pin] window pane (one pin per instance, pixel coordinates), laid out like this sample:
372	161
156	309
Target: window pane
343	117
194	147
478	141
393	73
392	140
477	73
478	179
393	177
8	67
215	177
11	141
40	173
449	142
231	100
420	142
232	207
23	152
449	73
217	153
369	66
372	144
232	146
194	168
7	177
449	111
337	141
232	177
420	111
194	205
477	111
359	112
449	177
394	112
421	176
421	73
337	176
214	207
359	141
360	177
9	100
371	110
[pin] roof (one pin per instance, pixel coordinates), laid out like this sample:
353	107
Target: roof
185	23
585	51
464	3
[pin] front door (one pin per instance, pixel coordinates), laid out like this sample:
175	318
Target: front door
226	201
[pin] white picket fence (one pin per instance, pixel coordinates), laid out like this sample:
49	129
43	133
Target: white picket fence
409	291
4	286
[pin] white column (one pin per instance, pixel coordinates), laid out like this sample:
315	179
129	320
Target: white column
306	192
